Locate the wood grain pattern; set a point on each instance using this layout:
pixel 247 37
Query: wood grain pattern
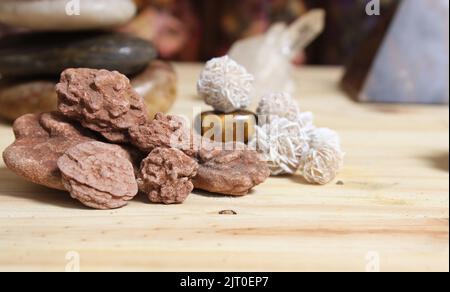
pixel 393 203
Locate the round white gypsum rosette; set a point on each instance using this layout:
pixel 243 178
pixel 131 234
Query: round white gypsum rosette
pixel 306 122
pixel 281 143
pixel 282 105
pixel 324 159
pixel 225 85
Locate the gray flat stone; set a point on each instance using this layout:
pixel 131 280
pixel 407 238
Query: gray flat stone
pixel 48 54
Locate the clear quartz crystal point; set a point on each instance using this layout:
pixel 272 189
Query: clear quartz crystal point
pixel 268 57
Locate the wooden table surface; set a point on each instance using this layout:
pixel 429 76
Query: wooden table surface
pixel 391 213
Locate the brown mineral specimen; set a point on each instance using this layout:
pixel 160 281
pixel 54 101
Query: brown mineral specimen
pixel 40 140
pixel 164 131
pixel 230 172
pixel 135 156
pixel 166 174
pixel 57 125
pixel 102 101
pixel 99 175
pixel 228 212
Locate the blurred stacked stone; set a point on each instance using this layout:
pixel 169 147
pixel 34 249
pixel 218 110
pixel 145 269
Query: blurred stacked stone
pixel 52 35
pixel 405 59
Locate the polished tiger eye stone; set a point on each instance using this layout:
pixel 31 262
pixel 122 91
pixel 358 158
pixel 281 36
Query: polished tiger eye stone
pixel 237 126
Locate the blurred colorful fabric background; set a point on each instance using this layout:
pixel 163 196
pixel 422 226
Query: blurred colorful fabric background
pixel 196 30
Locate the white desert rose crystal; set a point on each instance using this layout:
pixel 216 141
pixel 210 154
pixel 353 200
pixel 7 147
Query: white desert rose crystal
pixel 282 105
pixel 322 162
pixel 225 85
pixel 306 122
pixel 281 143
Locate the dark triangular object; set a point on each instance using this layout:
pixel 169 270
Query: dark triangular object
pixel 359 66
pixel 405 58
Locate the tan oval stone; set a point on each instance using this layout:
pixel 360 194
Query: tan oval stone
pixel 20 98
pixel 158 86
pixel 64 15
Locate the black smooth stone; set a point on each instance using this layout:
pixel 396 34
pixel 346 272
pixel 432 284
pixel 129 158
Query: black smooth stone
pixel 49 54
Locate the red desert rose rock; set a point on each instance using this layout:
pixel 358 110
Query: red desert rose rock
pixel 99 175
pixel 102 101
pixel 165 176
pixel 221 171
pixel 40 140
pixel 164 131
pixel 230 172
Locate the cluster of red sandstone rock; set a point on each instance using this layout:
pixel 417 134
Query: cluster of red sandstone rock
pixel 102 148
